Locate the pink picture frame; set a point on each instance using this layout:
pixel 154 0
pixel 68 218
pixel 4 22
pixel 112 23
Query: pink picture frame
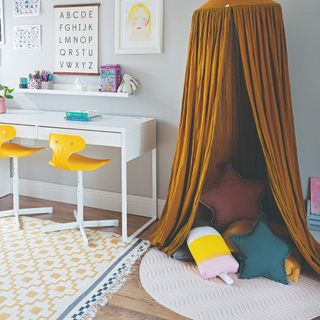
pixel 315 195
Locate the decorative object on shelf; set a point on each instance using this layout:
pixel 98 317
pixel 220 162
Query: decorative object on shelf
pixel 35 80
pixel 77 39
pixel 27 37
pixel 139 26
pixel 26 8
pixel 23 83
pixel 110 77
pixel 46 80
pixel 79 86
pixel 5 93
pixel 129 85
pixel 1 23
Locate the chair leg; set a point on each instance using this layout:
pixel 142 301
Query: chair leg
pixel 16 212
pixel 80 207
pixel 16 193
pixel 79 217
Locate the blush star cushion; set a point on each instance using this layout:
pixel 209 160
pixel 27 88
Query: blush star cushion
pixel 234 198
pixel 263 254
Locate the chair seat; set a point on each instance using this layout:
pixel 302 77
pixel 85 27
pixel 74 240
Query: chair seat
pixel 78 162
pixel 12 150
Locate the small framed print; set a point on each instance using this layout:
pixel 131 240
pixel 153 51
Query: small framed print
pixel 139 26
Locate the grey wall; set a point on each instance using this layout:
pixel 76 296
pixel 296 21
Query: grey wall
pixel 161 75
pixel 302 27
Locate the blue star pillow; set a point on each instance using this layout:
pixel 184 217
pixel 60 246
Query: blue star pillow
pixel 263 254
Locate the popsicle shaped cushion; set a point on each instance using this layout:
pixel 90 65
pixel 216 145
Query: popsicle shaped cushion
pixel 211 253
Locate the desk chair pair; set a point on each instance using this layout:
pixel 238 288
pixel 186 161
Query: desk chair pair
pixel 65 156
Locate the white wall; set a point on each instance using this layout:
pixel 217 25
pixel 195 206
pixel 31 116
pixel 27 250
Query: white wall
pixel 161 75
pixel 302 27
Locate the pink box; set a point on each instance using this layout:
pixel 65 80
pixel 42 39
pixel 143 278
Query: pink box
pixel 110 76
pixel 315 195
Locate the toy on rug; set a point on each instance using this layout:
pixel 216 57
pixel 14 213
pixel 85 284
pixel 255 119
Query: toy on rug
pixel 211 254
pixel 129 84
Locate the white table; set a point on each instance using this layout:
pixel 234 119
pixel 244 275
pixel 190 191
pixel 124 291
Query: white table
pixel 133 135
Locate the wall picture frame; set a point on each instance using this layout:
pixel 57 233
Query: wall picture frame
pixel 138 26
pixel 77 39
pixel 1 23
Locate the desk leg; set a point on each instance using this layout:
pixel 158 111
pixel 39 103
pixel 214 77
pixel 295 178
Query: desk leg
pixel 4 177
pixel 124 196
pixel 154 184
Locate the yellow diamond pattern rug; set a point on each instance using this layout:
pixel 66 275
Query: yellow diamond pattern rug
pixel 53 276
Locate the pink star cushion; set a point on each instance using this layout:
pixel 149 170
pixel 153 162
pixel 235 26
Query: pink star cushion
pixel 234 198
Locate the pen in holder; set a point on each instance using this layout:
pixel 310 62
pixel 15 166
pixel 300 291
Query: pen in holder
pixel 46 85
pixel 46 80
pixel 34 84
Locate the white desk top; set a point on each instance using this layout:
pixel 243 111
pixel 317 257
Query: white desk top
pixel 56 119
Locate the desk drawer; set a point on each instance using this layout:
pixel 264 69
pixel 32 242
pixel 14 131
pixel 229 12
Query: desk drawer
pixel 98 138
pixel 29 132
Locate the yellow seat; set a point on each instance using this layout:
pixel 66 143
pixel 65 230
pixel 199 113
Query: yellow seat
pixel 12 150
pixel 64 154
pixel 65 157
pixel 15 151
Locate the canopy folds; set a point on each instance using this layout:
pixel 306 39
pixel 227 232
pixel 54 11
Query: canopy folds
pixel 236 108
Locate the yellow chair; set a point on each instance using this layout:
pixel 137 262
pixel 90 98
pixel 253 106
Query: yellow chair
pixel 64 157
pixel 15 151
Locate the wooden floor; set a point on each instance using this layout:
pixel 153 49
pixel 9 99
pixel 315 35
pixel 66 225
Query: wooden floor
pixel 129 303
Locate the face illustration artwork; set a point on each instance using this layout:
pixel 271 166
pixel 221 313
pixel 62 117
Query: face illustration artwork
pixel 139 21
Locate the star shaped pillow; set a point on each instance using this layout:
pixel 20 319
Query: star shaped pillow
pixel 234 198
pixel 263 254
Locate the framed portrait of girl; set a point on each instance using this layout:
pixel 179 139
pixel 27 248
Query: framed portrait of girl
pixel 139 26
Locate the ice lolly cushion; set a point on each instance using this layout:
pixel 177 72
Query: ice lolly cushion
pixel 211 253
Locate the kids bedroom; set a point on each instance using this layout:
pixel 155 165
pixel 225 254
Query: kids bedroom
pixel 159 160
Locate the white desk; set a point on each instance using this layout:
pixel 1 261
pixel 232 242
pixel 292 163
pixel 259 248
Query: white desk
pixel 134 136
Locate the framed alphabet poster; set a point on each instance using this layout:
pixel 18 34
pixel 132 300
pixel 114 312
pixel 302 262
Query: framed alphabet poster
pixel 77 39
pixel 139 26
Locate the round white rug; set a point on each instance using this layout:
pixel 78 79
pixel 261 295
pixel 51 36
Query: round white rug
pixel 179 287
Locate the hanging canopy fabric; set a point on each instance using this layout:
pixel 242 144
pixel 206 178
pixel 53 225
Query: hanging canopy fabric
pixel 236 108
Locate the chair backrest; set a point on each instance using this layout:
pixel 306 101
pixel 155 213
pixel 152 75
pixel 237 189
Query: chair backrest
pixel 63 146
pixel 7 133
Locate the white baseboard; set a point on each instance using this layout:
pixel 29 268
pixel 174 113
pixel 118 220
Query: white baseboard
pixel 141 206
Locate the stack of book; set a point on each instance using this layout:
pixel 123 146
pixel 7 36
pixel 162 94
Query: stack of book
pixel 83 115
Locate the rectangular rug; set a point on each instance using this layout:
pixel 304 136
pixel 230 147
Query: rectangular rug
pixel 53 276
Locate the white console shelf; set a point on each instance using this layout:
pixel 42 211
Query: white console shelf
pixel 68 90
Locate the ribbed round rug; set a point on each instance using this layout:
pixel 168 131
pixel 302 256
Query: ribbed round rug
pixel 179 287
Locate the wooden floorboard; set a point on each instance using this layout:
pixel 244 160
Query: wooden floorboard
pixel 131 302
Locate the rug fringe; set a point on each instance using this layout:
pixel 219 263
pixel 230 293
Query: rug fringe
pixel 121 278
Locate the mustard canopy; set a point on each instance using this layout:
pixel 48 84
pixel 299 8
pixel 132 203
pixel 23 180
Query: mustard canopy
pixel 236 108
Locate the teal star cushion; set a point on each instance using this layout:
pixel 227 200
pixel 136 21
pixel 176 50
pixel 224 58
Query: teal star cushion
pixel 263 254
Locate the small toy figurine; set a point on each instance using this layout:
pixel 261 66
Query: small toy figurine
pixel 79 86
pixel 129 84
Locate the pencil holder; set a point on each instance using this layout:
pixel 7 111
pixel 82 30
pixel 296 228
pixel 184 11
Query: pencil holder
pixel 46 85
pixel 34 84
